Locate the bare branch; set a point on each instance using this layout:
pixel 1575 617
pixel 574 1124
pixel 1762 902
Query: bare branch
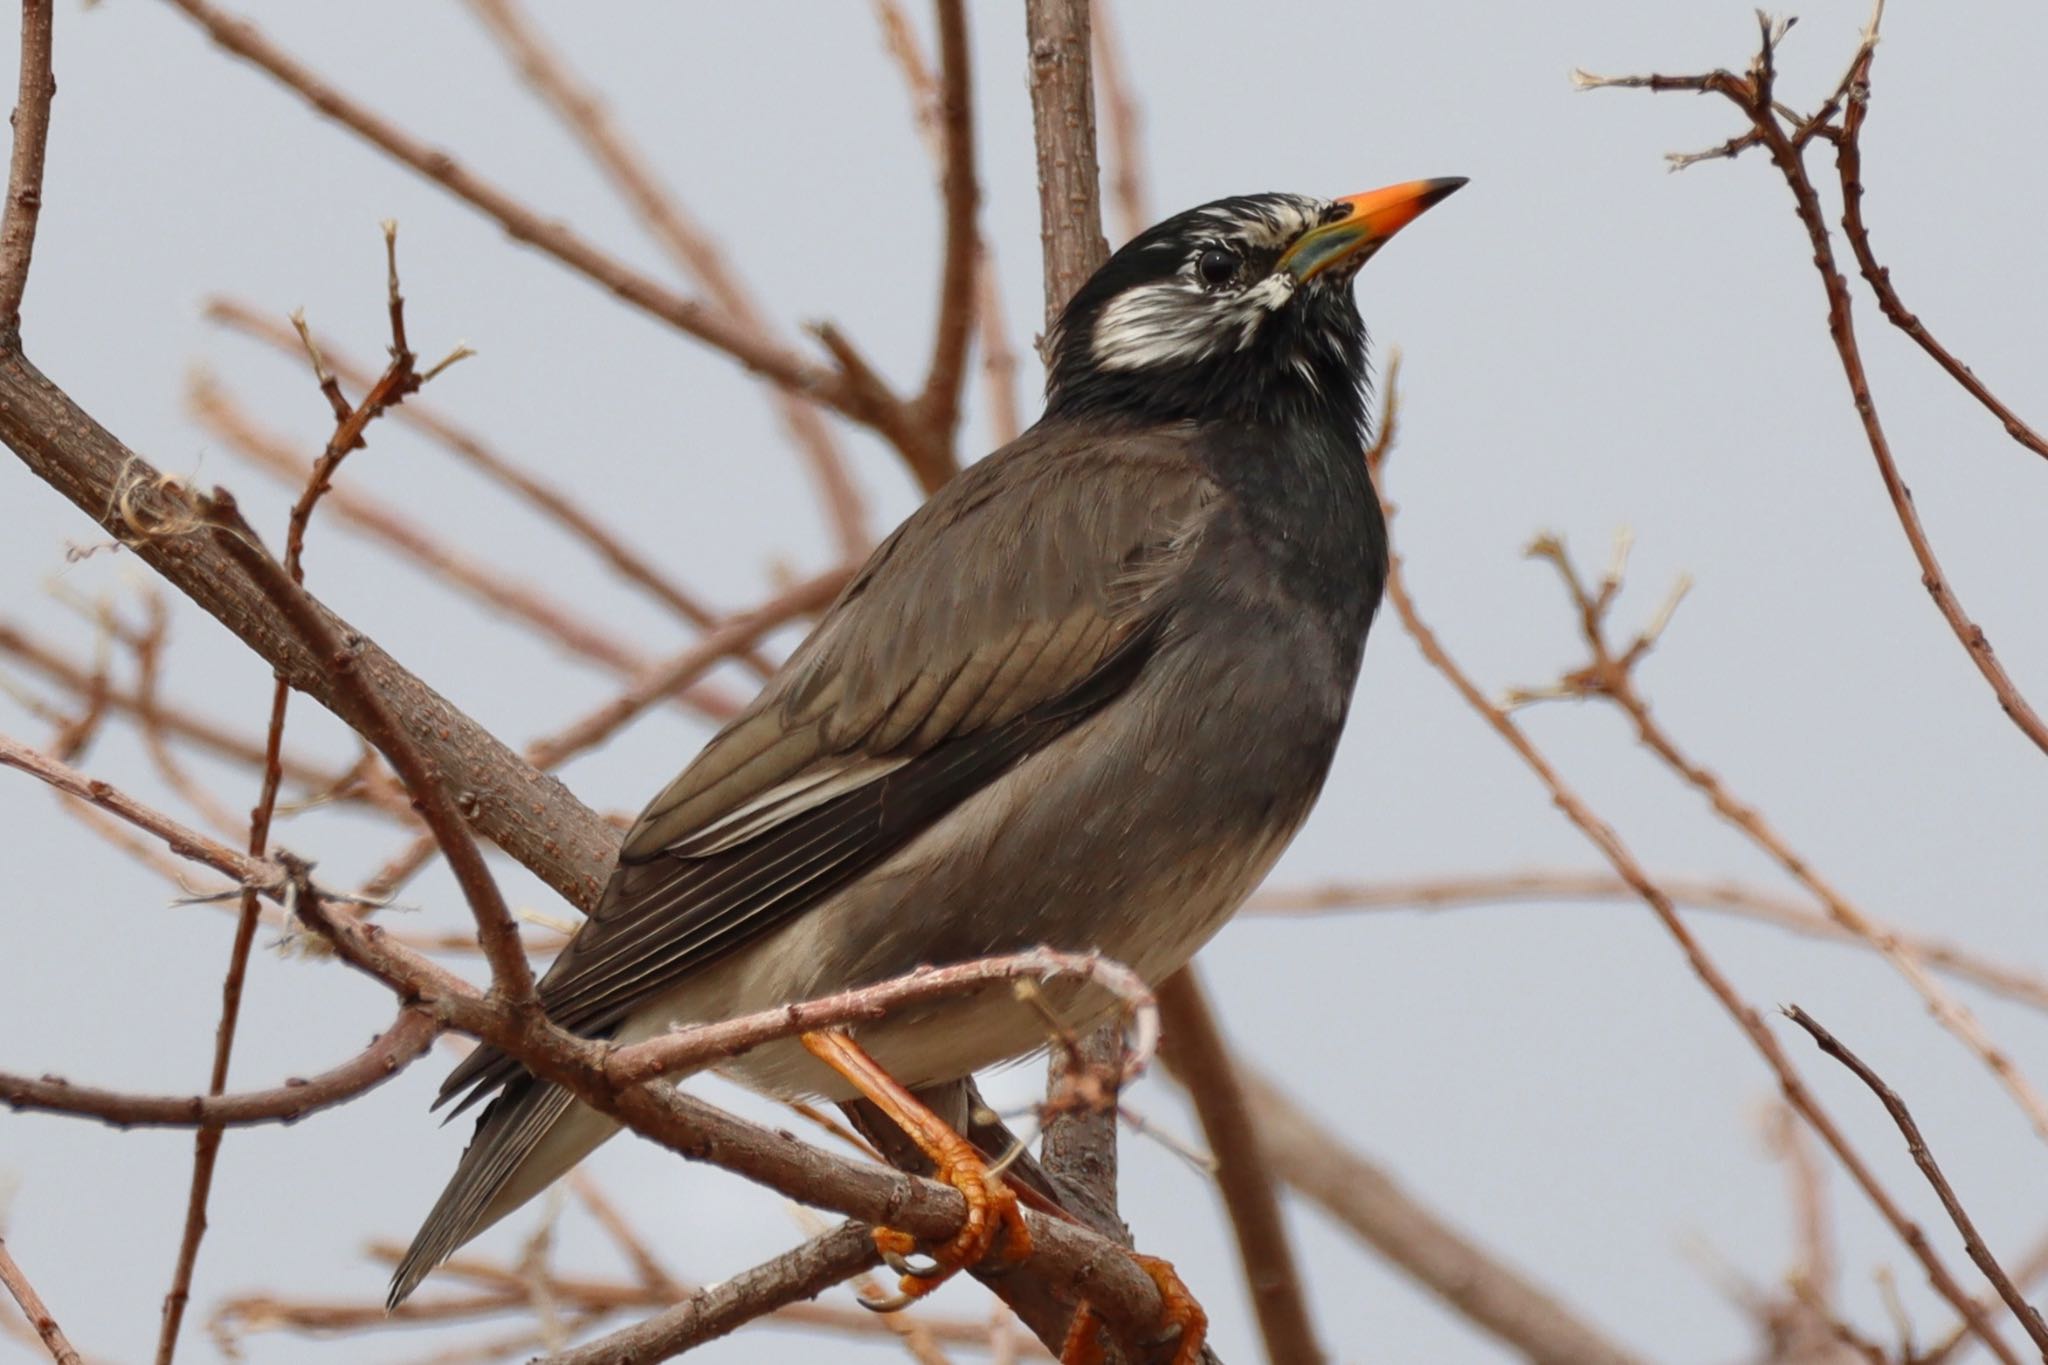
pixel 1063 125
pixel 368 714
pixel 1604 838
pixel 809 1270
pixel 39 1317
pixel 1611 674
pixel 1200 1059
pixel 476 452
pixel 939 404
pixel 687 243
pixel 1694 893
pixel 2028 1316
pixel 1487 1291
pixel 1849 168
pixel 38 87
pixel 390 1052
pixel 1079 1147
pixel 267 876
pixel 687 1049
pixel 760 355
pixel 1752 94
pixel 1125 122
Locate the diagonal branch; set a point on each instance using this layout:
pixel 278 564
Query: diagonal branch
pixel 1488 1292
pixel 1197 1054
pixel 1624 862
pixel 2029 1317
pixel 1754 95
pixel 710 1313
pixel 1849 169
pixel 367 713
pixel 761 355
pixel 686 241
pixel 474 451
pixel 32 1306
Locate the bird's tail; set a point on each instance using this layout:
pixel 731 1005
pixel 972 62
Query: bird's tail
pixel 528 1137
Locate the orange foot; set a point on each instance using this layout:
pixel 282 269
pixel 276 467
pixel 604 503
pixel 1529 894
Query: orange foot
pixel 992 1213
pixel 1178 1314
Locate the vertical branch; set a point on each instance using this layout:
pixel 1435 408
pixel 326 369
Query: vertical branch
pixel 399 379
pixel 1063 125
pixel 1194 1049
pixel 25 167
pixel 1080 1146
pixel 60 1348
pixel 939 404
pixel 1126 131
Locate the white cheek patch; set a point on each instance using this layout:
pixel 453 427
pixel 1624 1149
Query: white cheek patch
pixel 1176 321
pixel 1156 324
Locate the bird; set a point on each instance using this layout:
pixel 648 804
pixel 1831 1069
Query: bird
pixel 1082 698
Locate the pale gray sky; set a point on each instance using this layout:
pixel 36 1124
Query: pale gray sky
pixel 1589 343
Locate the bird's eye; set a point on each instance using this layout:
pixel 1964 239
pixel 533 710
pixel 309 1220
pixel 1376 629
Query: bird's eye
pixel 1216 267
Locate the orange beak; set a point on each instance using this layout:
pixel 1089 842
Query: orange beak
pixel 1374 217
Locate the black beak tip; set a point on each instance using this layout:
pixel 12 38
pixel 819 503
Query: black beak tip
pixel 1443 187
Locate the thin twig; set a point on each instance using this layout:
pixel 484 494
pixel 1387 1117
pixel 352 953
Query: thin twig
pixel 1125 123
pixel 1753 95
pixel 390 1052
pixel 32 1306
pixel 369 715
pixel 266 875
pixel 549 500
pixel 1694 893
pixel 938 405
pixel 37 88
pixel 1610 674
pixel 688 244
pixel 399 379
pixel 2028 1316
pixel 1849 168
pixel 711 1313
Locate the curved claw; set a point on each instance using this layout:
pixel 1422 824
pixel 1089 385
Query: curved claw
pixel 1181 1320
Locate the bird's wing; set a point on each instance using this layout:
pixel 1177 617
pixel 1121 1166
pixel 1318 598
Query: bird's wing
pixel 1022 598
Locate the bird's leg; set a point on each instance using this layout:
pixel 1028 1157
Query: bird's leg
pixel 992 1213
pixel 1179 1312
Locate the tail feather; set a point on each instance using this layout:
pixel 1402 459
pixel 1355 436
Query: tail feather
pixel 531 1134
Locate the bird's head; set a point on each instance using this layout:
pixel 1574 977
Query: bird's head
pixel 1237 310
